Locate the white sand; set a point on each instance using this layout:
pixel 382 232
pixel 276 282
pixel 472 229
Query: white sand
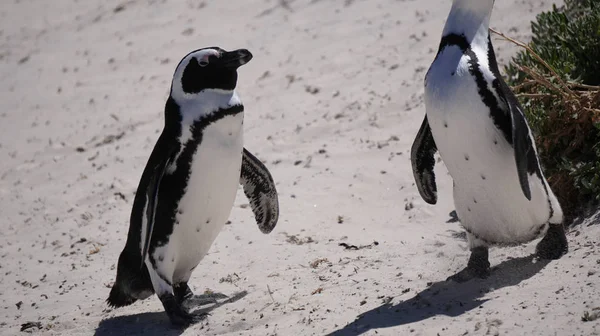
pixel 333 101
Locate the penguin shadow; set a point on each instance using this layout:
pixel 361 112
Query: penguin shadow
pixel 152 323
pixel 444 298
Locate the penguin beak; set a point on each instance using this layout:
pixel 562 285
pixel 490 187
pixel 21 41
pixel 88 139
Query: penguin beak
pixel 235 59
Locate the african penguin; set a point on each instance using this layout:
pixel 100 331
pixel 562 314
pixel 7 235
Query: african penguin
pixel 189 184
pixel 478 126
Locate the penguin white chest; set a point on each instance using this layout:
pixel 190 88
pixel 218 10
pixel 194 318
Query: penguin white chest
pixel 487 193
pixel 209 195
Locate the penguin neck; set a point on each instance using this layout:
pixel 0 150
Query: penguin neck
pixel 209 101
pixel 470 18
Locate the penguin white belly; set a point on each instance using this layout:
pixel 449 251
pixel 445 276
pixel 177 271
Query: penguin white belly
pixel 487 194
pixel 208 198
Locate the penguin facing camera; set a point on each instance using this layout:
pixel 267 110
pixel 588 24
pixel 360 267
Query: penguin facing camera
pixel 479 128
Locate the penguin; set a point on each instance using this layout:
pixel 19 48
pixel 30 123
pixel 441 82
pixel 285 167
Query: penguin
pixel 479 129
pixel 189 184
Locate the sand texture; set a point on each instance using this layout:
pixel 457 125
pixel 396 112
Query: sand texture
pixel 333 101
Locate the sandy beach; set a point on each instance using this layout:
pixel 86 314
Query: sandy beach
pixel 333 100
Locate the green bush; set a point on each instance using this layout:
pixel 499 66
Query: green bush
pixel 564 112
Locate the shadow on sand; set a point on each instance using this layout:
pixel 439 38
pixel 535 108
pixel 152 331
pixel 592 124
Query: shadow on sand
pixel 151 324
pixel 444 298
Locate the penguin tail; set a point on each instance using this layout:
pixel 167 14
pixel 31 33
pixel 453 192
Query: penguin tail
pixel 132 283
pixel 119 298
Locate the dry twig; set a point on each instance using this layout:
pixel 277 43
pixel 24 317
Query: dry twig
pixel 528 48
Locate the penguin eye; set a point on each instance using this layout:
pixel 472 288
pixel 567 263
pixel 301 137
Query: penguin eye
pixel 203 63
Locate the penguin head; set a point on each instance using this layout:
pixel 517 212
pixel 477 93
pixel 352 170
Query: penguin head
pixel 207 69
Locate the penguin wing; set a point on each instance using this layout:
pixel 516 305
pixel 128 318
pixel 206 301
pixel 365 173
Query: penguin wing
pixel 260 189
pixel 522 147
pixel 522 141
pixel 421 157
pixel 157 173
pixel 525 155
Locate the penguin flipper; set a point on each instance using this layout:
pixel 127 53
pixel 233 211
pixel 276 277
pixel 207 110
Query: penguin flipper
pixel 522 146
pixel 421 157
pixel 261 192
pixel 522 142
pixel 156 176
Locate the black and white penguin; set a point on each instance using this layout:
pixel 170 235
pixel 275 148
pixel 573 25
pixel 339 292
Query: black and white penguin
pixel 478 126
pixel 188 187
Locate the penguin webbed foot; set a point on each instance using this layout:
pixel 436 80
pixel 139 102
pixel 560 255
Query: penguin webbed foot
pixel 478 266
pixel 178 314
pixel 203 299
pixel 188 300
pixel 554 244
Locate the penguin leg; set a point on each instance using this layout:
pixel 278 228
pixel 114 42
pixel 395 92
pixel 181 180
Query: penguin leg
pixel 187 299
pixel 478 265
pixel 177 313
pixel 554 244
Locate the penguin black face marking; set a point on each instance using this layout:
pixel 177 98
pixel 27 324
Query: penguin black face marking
pixel 209 68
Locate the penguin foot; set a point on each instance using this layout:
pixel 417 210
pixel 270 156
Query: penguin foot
pixel 203 299
pixel 554 244
pixel 178 315
pixel 186 297
pixel 478 266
